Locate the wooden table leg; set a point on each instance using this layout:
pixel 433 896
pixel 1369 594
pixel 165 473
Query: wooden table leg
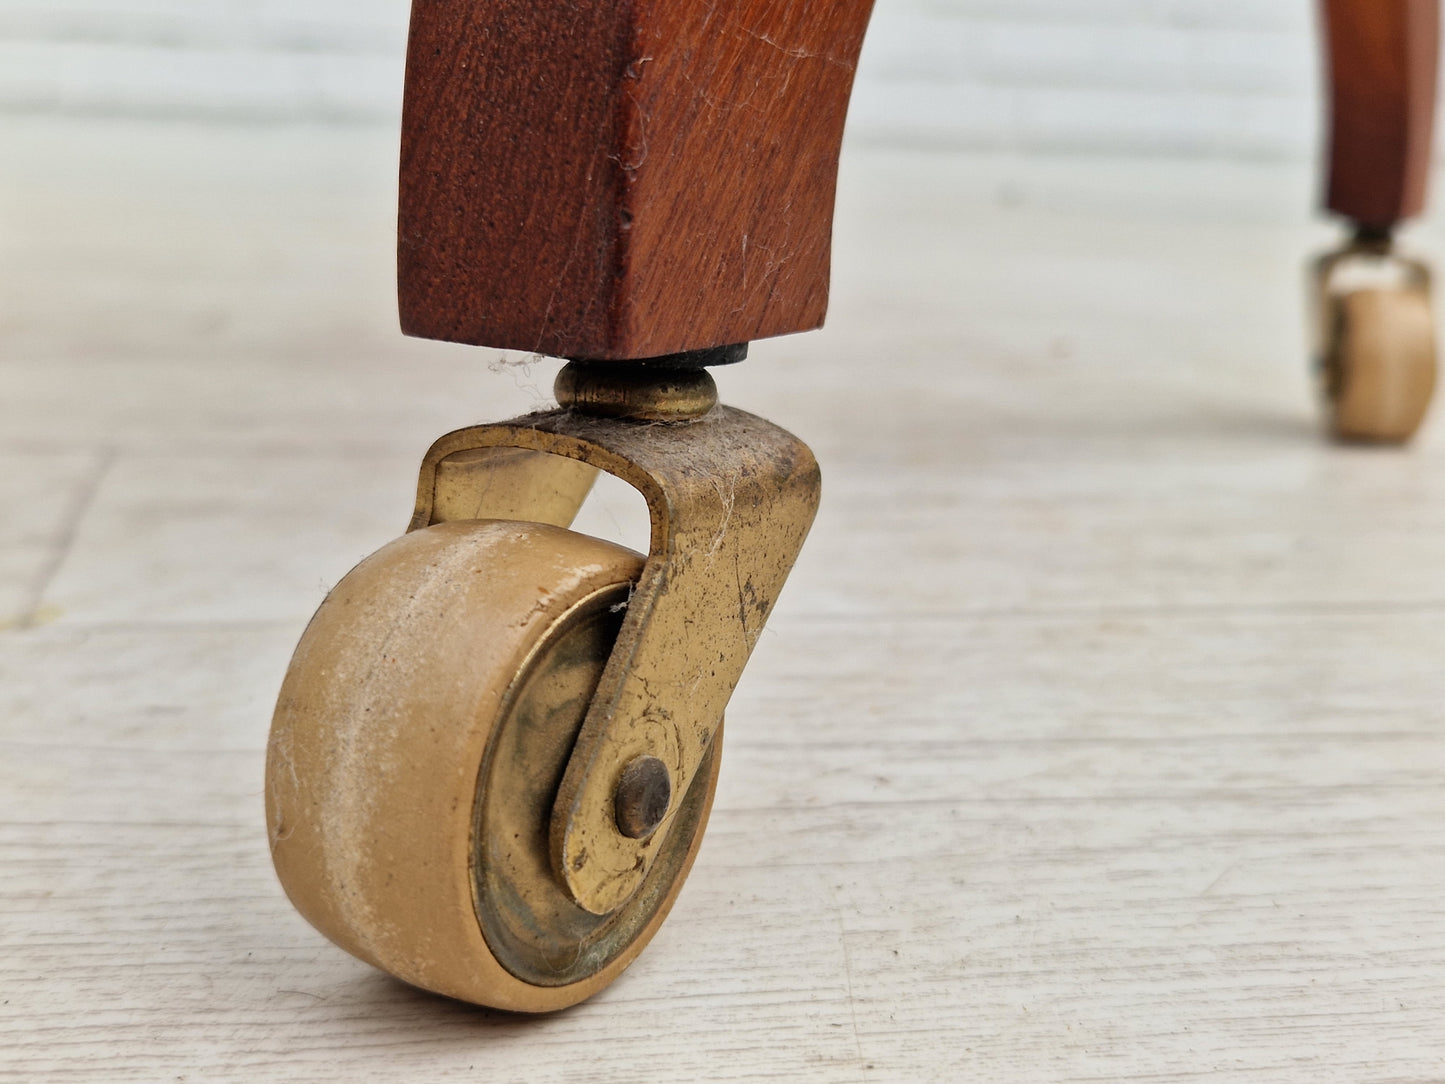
pixel 1382 59
pixel 1377 329
pixel 616 181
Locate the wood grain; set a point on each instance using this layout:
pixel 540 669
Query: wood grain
pixel 621 181
pixel 1382 62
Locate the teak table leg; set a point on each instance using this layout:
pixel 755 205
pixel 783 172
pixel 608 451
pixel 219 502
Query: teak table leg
pixel 621 180
pixel 495 750
pixel 1376 325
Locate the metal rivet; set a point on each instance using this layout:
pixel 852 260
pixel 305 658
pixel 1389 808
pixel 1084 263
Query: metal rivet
pixel 643 794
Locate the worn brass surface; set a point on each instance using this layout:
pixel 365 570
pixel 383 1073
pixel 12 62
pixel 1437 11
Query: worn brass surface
pixel 610 390
pixel 532 925
pixel 1375 340
pixel 509 483
pixel 731 499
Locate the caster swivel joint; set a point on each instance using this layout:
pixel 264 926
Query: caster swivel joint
pixel 495 749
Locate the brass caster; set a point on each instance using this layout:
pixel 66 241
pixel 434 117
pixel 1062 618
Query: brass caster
pixel 1377 347
pixel 496 747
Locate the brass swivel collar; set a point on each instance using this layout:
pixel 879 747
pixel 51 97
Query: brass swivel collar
pixel 671 388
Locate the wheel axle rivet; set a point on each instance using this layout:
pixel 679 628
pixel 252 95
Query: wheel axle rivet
pixel 643 794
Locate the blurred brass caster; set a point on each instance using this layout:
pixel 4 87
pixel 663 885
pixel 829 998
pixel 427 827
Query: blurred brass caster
pixel 495 750
pixel 1376 340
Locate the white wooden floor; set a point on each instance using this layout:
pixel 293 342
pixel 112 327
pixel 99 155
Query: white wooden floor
pixel 1100 736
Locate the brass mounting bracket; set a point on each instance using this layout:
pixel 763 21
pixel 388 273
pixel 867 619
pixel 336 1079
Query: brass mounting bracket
pixel 731 498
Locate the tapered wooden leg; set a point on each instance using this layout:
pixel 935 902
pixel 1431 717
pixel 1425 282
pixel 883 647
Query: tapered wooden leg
pixel 1382 59
pixel 621 181
pixel 1377 330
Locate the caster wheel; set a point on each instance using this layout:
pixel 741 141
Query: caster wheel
pixel 418 744
pixel 1380 364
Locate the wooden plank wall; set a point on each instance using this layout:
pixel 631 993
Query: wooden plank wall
pixel 1230 78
